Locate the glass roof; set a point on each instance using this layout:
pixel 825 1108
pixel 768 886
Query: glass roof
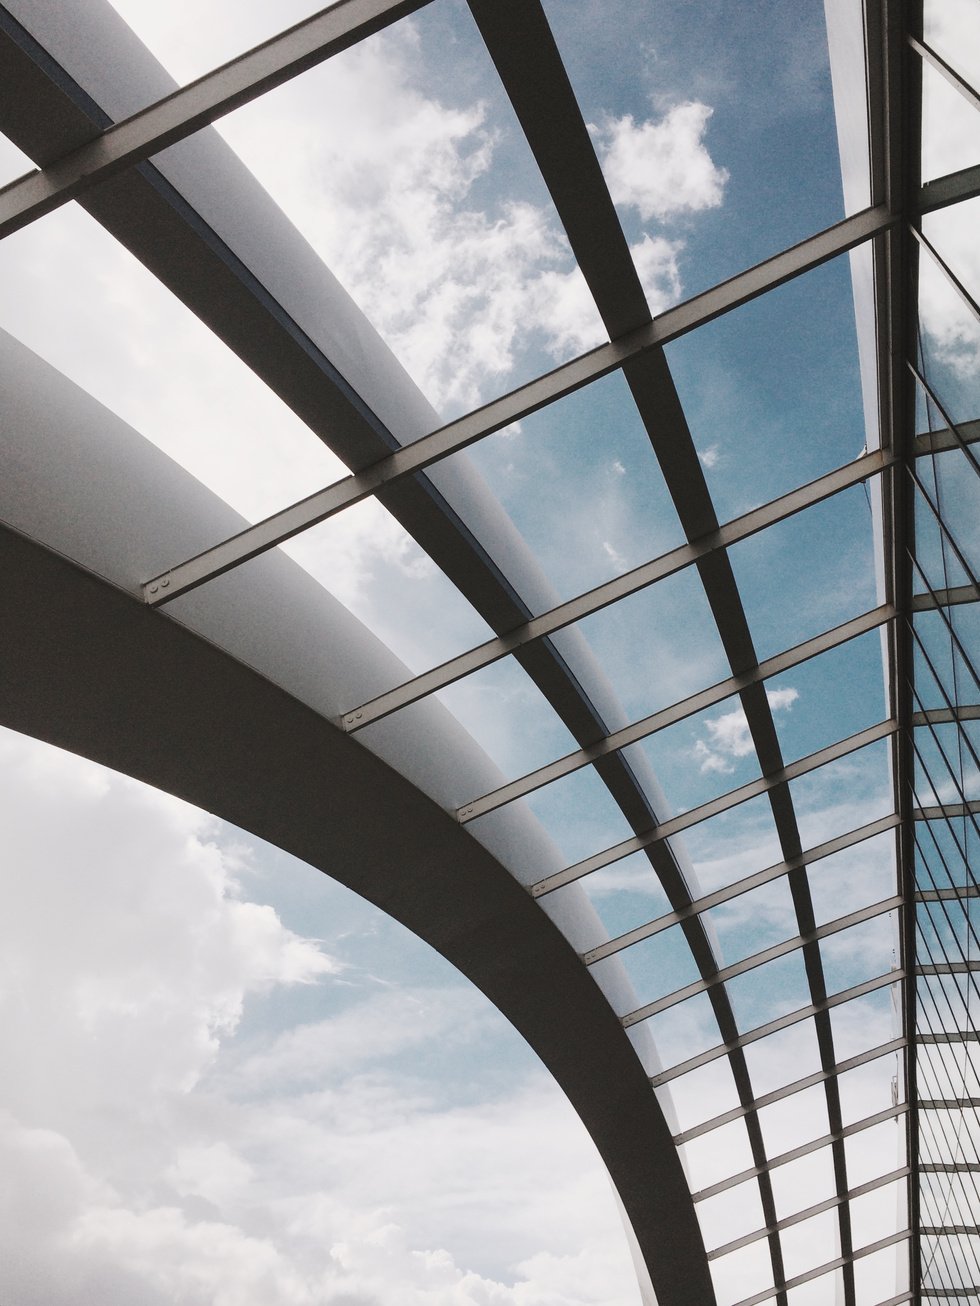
pixel 457 306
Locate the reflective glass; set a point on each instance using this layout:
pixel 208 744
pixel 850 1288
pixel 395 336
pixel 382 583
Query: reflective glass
pixel 875 1151
pixel 867 1089
pixel 579 813
pixel 795 1120
pixel 732 845
pixel 659 965
pixel 880 1276
pixel 626 894
pixel 859 953
pixel 703 1094
pixel 771 390
pixel 742 1273
pixel 730 1215
pixel 704 756
pixel 718 1155
pixel 800 1184
pixel 949 344
pixel 949 127
pixel 685 1031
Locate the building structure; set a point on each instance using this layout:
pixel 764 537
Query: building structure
pixel 150 627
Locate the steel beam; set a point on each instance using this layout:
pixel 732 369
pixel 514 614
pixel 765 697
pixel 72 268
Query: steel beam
pixel 669 716
pixel 194 106
pixel 713 808
pixel 797 1282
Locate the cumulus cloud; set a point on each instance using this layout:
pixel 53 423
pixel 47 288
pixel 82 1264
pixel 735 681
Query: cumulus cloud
pixel 729 736
pixel 661 168
pixel 153 1148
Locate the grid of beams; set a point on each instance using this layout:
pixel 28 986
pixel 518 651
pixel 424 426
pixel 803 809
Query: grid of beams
pixel 935 816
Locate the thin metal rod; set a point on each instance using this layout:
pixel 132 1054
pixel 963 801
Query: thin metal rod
pixel 735 890
pixel 194 106
pixel 714 807
pixel 669 716
pixel 941 66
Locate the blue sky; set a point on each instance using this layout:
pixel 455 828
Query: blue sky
pixel 413 1134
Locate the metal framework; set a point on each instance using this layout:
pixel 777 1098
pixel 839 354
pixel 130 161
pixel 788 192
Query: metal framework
pixel 455 852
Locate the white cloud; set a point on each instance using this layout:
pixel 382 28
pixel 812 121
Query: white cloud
pixel 661 168
pixel 729 736
pixel 151 1151
pixel 709 457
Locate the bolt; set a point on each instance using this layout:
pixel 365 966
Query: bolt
pixel 165 583
pixel 153 589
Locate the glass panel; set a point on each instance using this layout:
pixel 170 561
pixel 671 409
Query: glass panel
pixel 581 482
pixel 811 1243
pixel 807 574
pixel 702 1095
pixel 782 1058
pixel 659 965
pixel 803 1183
pixel 409 175
pixel 580 815
pixel 753 921
pixel 842 795
pixel 659 646
pixel 730 1215
pixel 949 341
pixel 850 879
pixel 949 231
pixel 952 29
pixel 881 1276
pixel 865 1022
pixel 719 148
pixel 704 756
pixel 949 127
pixel 818 1292
pixel 875 1151
pixel 87 306
pixel 742 1273
pixel 769 991
pixel 626 894
pixel 718 1155
pixel 771 390
pixel 795 1120
pixel 500 706
pixel 190 39
pixel 829 697
pixel 685 1031
pixel 868 1089
pixel 732 845
pixel 860 953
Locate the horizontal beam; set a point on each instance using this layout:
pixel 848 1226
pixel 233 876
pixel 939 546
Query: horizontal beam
pixel 805 1149
pixel 894 1045
pixel 416 457
pixel 611 591
pixel 951 189
pixel 196 105
pixel 947 811
pixel 750 882
pixel 830 1204
pixel 931 442
pixel 945 895
pixel 947 968
pixel 797 1282
pixel 772 1026
pixel 950 1167
pixel 949 1036
pixel 519 403
pixel 704 812
pixel 945 598
pixel 772 953
pixel 937 716
pixel 669 716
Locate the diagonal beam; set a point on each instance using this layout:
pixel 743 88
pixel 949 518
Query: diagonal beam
pixel 194 106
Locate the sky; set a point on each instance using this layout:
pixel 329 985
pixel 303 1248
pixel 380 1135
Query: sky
pixel 243 1083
